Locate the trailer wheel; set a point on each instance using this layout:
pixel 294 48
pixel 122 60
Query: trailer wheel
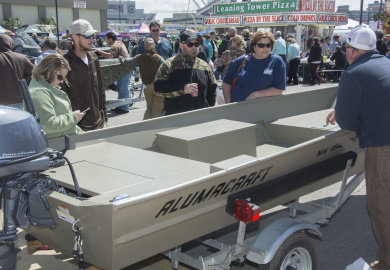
pixel 296 253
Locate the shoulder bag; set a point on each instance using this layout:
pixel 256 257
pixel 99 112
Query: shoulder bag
pixel 239 68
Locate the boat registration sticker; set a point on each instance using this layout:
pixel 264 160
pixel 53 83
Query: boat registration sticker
pixel 66 217
pixel 63 208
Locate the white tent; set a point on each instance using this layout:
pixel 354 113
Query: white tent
pixel 343 30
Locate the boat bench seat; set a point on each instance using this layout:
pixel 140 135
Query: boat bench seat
pixel 140 170
pixel 300 128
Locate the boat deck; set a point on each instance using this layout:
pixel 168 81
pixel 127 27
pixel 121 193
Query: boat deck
pixel 182 157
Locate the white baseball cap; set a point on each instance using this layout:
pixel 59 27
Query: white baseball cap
pixel 278 33
pixel 362 38
pixel 82 27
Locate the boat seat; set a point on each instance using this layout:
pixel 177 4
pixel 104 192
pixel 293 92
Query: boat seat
pixel 140 170
pixel 210 142
pixel 300 128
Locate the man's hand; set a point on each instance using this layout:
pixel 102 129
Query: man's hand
pixel 191 88
pixel 331 118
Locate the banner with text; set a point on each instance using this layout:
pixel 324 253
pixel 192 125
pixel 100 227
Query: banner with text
pixel 332 18
pixel 256 7
pixel 302 18
pixel 272 19
pixel 79 4
pixel 215 21
pixel 318 5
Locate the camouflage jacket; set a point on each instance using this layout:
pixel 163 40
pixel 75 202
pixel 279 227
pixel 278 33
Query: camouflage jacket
pixel 175 73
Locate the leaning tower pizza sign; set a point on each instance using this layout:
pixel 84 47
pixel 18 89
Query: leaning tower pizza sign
pixel 276 12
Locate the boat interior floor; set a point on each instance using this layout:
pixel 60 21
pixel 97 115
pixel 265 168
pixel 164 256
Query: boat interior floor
pixel 186 153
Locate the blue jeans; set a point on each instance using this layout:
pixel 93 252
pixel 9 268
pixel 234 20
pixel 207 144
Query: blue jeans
pixel 217 74
pixel 122 86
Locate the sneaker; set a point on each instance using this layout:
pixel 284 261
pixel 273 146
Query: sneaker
pixel 119 111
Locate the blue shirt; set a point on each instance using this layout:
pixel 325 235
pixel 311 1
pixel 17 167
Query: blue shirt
pixel 163 48
pixel 256 74
pixel 363 99
pixel 279 46
pixel 293 52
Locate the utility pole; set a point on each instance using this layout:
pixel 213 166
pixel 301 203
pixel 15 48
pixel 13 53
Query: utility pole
pixel 58 37
pixel 361 12
pixel 119 12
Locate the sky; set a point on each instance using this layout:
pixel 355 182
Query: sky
pixel 165 8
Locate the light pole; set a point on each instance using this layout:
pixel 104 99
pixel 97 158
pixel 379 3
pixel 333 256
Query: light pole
pixel 119 12
pixel 58 37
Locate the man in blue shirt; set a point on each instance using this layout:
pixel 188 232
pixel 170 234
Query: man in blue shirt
pixel 363 106
pixel 280 46
pixel 163 46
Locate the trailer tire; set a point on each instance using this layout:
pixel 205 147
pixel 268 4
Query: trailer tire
pixel 296 252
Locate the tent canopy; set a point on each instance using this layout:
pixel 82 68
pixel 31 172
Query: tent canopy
pixel 103 34
pixel 141 29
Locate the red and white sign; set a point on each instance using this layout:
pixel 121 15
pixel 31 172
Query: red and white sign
pixel 303 18
pixel 236 20
pixel 318 5
pixel 264 19
pixel 79 4
pixel 332 18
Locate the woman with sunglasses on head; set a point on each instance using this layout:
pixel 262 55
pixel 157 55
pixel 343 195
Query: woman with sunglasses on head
pixel 52 104
pixel 260 74
pixel 237 49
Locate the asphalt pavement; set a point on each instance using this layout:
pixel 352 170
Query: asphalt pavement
pixel 345 239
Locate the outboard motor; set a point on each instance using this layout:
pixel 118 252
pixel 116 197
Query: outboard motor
pixel 23 156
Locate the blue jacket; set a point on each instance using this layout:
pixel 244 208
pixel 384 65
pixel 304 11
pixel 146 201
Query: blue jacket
pixel 363 99
pixel 163 48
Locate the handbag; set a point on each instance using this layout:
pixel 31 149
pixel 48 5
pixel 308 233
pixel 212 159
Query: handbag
pixel 239 68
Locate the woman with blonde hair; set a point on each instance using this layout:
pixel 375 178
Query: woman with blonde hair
pixel 51 103
pixel 237 49
pixel 260 74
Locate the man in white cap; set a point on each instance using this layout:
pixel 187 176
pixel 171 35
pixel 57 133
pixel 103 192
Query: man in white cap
pixel 280 46
pixel 85 89
pixel 363 106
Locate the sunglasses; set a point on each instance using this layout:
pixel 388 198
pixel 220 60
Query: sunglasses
pixel 190 44
pixel 60 77
pixel 262 45
pixel 156 30
pixel 87 37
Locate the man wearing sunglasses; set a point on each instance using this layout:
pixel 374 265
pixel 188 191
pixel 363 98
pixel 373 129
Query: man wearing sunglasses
pixel 186 81
pixel 163 46
pixel 363 106
pixel 85 87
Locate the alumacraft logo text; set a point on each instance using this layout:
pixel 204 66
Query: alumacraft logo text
pixel 217 190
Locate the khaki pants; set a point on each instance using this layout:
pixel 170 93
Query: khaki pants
pixel 377 166
pixel 154 103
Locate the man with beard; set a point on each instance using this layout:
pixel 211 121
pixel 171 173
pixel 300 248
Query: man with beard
pixel 163 46
pixel 185 81
pixel 85 89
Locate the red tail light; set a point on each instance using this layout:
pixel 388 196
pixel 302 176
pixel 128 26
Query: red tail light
pixel 246 211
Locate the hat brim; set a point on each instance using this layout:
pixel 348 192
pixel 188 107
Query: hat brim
pixel 190 38
pixel 91 32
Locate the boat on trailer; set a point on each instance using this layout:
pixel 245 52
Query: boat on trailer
pixel 153 185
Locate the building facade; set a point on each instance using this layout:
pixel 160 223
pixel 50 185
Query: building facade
pixel 126 14
pixel 30 11
pixel 367 15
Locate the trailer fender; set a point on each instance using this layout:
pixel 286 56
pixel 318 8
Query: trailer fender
pixel 272 237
